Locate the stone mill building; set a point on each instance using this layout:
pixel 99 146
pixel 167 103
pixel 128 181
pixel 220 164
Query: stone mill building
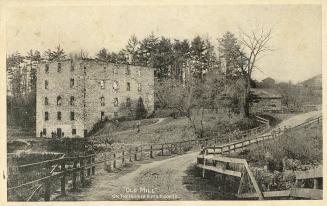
pixel 73 95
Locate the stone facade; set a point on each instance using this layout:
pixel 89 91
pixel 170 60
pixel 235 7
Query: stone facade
pixel 86 92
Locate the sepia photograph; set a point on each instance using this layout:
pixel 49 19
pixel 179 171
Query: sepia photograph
pixel 162 101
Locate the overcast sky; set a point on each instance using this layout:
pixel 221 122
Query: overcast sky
pixel 296 30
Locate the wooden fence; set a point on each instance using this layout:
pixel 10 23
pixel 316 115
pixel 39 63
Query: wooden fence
pixel 207 160
pixel 232 167
pixel 301 188
pixel 245 142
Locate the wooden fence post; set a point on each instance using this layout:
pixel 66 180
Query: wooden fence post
pixel 114 161
pixel 315 183
pixel 74 175
pixel 123 158
pixel 130 154
pixel 47 190
pixel 82 174
pixel 63 178
pixel 88 171
pixel 151 152
pixel 135 155
pixel 162 151
pixel 141 151
pixel 47 184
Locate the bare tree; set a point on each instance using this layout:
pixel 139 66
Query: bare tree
pixel 253 45
pixel 242 56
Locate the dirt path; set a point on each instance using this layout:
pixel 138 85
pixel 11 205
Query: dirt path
pixel 167 179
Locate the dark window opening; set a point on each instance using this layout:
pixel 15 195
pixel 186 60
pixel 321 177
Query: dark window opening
pixel 46 101
pixel 102 101
pixel 102 116
pixel 46 68
pixel 72 116
pixel 46 116
pixel 72 83
pixel 46 84
pixel 59 100
pixel 72 100
pixel 44 131
pixel 59 115
pixel 59 67
pixel 73 131
pixel 128 86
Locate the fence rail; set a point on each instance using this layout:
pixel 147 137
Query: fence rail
pixel 208 154
pixel 243 143
pixel 82 167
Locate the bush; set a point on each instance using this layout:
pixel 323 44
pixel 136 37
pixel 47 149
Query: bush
pixel 140 112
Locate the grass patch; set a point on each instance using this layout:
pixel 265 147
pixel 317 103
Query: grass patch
pixel 303 146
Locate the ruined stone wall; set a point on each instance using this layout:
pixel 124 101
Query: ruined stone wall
pixel 59 85
pixel 92 80
pixel 110 81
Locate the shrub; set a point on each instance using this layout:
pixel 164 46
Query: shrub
pixel 140 112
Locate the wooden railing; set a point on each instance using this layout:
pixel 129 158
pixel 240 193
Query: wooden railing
pixel 299 190
pixel 245 142
pixel 84 166
pixel 232 167
pixel 207 160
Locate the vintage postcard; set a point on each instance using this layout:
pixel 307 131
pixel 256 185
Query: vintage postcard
pixel 126 102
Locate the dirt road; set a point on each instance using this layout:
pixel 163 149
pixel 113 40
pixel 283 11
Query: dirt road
pixel 167 179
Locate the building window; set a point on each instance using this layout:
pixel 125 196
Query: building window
pixel 139 88
pixel 116 102
pixel 47 68
pixel 115 86
pixel 115 114
pixel 59 100
pixel 72 116
pixel 46 116
pixel 102 84
pixel 46 84
pixel 73 131
pixel 44 131
pixel 72 100
pixel 102 116
pixel 59 67
pixel 128 102
pixel 128 86
pixel 128 70
pixel 59 115
pixel 46 101
pixel 72 83
pixel 102 101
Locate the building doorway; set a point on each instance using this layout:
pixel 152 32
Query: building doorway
pixel 59 132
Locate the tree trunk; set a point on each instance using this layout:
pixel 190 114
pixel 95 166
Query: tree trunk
pixel 245 102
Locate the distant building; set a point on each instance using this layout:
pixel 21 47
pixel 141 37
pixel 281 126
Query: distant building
pixel 266 100
pixel 314 83
pixel 73 95
pixel 268 82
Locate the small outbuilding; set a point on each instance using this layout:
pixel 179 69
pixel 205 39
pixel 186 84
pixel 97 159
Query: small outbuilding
pixel 266 100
